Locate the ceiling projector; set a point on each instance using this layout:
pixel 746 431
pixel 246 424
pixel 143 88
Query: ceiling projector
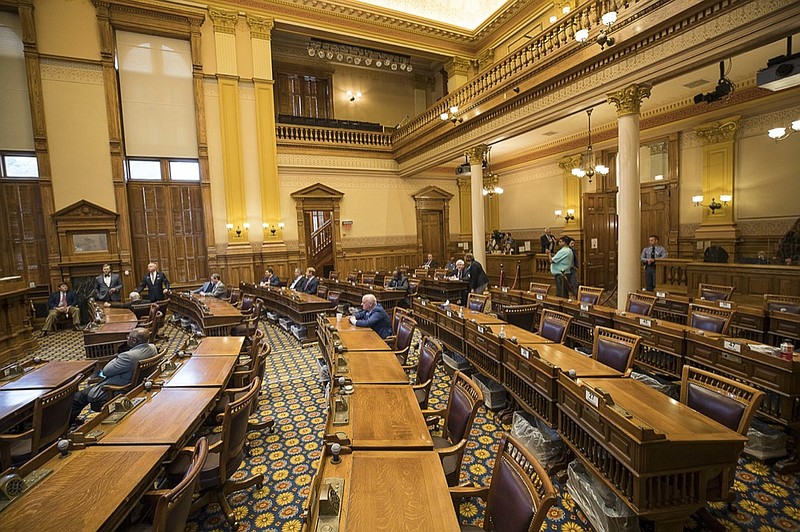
pixel 781 73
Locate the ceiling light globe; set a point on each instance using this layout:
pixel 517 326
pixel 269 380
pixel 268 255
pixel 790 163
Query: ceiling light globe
pixel 553 19
pixel 378 63
pixel 444 116
pixel 312 52
pixel 565 10
pixel 329 54
pixel 796 125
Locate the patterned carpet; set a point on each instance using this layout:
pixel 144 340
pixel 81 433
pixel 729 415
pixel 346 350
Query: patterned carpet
pixel 288 458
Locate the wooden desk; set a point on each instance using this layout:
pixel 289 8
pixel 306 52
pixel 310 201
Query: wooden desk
pixel 381 417
pixel 655 453
pixel 106 339
pixel 90 489
pixel 17 405
pixel 215 317
pixel 585 318
pixel 344 324
pixel 202 372
pixel 388 490
pixel 352 293
pixel 451 326
pixel 50 375
pixel 166 417
pixel 361 341
pixel 300 307
pixel 484 347
pixel 531 371
pixel 370 367
pixel 442 289
pixel 219 346
pixel 782 326
pixel 425 315
pixel 663 342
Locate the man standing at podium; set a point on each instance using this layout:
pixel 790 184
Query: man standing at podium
pixel 649 255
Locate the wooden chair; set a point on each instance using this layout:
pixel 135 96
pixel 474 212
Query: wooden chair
pixel 352 277
pixel 729 402
pixel 476 302
pixel 554 325
pixel 714 292
pixel 413 288
pixel 236 294
pixel 398 313
pixel 402 340
pixel 367 278
pixel 712 319
pixel 155 327
pixel 144 368
pixel 322 291
pixel 462 406
pixel 333 297
pixel 590 294
pixel 781 303
pixel 539 288
pixel 387 279
pixel 226 453
pixel 615 349
pixel 172 506
pixel 333 275
pixel 421 272
pixel 520 315
pixel 639 303
pixel 519 495
pixel 430 355
pixel 51 414
pixel 152 317
pixel 239 385
pixel 249 325
pixel 440 273
pixel 246 304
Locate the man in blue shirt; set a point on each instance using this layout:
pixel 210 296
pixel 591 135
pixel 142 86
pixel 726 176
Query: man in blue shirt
pixel 649 255
pixel 373 316
pixel 560 264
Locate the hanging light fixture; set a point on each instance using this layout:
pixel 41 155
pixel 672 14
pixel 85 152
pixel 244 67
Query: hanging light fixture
pixel 587 167
pixel 491 181
pixel 452 116
pixel 356 55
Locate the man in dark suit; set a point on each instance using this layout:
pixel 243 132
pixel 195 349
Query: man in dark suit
pixel 548 241
pixel 373 316
pixel 312 282
pixel 478 280
pixel 299 281
pixel 430 262
pixel 212 288
pixel 63 302
pixel 270 279
pixel 107 286
pixel 119 371
pixel 155 282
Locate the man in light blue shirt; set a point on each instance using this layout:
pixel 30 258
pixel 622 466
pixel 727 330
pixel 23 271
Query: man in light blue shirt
pixel 649 255
pixel 560 264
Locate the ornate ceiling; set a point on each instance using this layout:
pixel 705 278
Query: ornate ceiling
pixel 466 14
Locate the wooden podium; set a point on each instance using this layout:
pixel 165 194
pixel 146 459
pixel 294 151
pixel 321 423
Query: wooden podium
pixel 16 333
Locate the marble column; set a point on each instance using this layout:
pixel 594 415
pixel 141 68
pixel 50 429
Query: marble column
pixel 476 156
pixel 629 207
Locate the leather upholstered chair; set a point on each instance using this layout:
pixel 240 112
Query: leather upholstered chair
pixel 322 291
pixel 368 278
pixel 152 316
pixel 711 319
pixel 714 292
pixel 554 325
pixel 246 304
pixel 640 303
pixel 249 325
pixel 519 495
pixel 333 297
pixel 615 349
pixel 430 355
pixel 462 406
pixel 352 277
pixel 398 313
pixel 781 303
pixel 226 453
pixel 440 273
pixel 476 302
pixel 51 413
pixel 539 288
pixel 333 275
pixel 730 403
pixel 422 272
pixel 520 315
pixel 144 368
pixel 401 342
pixel 239 385
pixel 590 294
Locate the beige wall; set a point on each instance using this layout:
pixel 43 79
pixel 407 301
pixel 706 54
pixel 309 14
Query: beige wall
pixel 67 28
pixel 387 97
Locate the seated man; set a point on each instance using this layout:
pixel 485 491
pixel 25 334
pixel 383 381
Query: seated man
pixel 64 302
pixel 212 288
pixel 311 283
pixel 140 307
pixel 400 282
pixel 373 316
pixel 270 279
pixel 119 371
pixel 299 281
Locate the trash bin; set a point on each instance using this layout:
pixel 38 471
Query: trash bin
pixel 604 509
pixel 494 395
pixel 454 362
pixel 667 388
pixel 765 441
pixel 544 442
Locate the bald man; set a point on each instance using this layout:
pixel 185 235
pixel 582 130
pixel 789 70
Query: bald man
pixel 373 316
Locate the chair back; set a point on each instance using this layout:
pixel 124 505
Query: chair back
pixel 398 313
pixel 554 325
pixel 640 303
pixel 247 302
pixel 255 343
pixel 386 281
pixel 333 275
pixel 430 355
pixel 235 295
pixel 590 294
pixel 714 292
pixel 477 302
pixel 520 493
pixel 615 349
pixel 51 413
pixel 144 368
pixel 520 315
pixel 421 272
pixel 152 315
pixel 413 287
pixel 322 291
pixel 173 508
pixel 539 288
pixel 368 278
pixel 234 431
pixel 465 400
pixel 333 297
pixel 712 319
pixel 352 277
pixel 724 400
pixel 154 327
pixel 405 335
pixel 440 273
pixel 781 303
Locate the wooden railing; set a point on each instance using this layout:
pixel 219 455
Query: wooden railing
pixel 671 275
pixel 321 239
pixel 324 136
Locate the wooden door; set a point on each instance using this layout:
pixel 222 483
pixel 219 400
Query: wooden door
pixel 657 211
pixel 600 241
pixel 432 226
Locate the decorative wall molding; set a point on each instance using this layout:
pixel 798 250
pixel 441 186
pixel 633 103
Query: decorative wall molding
pixel 71 71
pixel 351 244
pixel 317 161
pixel 363 182
pixel 765 226
pixel 759 125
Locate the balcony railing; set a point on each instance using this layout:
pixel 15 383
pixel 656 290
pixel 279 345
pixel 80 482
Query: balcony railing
pixel 329 137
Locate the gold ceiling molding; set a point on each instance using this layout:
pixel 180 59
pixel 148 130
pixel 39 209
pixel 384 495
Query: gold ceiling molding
pixel 721 131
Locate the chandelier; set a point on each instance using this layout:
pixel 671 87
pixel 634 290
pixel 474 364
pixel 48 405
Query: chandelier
pixel 587 167
pixel 491 181
pixel 358 56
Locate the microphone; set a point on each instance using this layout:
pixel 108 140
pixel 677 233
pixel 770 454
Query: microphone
pixel 572 374
pixel 63 447
pixel 335 450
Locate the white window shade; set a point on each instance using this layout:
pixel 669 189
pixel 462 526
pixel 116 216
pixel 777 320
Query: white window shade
pixel 157 93
pixel 16 130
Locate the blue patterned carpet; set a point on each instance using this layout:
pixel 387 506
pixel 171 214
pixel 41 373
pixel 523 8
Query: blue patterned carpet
pixel 288 458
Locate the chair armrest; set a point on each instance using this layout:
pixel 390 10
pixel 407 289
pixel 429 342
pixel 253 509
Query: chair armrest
pixel 464 492
pixel 408 367
pixel 432 417
pixel 421 386
pixel 117 387
pixel 233 391
pixel 150 498
pixel 391 340
pixel 10 438
pixel 452 450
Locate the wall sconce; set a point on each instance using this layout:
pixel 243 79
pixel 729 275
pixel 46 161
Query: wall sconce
pixel 714 205
pixel 603 39
pixel 353 96
pixel 274 228
pixel 452 115
pixel 245 227
pixel 569 216
pixel 780 133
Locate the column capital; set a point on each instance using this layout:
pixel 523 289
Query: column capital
pixel 260 27
pixel 456 66
pixel 715 132
pixel 485 58
pixel 629 100
pixel 568 162
pixel 477 154
pixel 463 182
pixel 224 21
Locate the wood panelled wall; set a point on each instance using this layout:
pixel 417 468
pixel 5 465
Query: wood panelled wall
pixel 167 227
pixel 25 249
